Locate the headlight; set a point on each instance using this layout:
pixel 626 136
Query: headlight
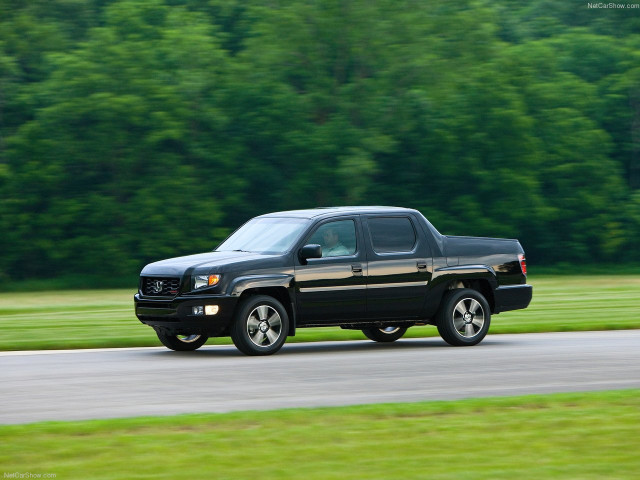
pixel 200 281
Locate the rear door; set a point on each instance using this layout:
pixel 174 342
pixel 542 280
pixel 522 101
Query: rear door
pixel 399 266
pixel 333 288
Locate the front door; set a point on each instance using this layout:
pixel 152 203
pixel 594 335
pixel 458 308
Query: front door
pixel 333 288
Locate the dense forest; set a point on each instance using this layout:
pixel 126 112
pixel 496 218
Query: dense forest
pixel 135 130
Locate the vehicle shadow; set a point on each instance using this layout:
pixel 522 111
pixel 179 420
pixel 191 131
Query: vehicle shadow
pixel 366 345
pixel 313 347
pixel 328 347
pixel 360 345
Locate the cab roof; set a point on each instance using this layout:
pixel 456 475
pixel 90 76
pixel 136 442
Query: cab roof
pixel 331 211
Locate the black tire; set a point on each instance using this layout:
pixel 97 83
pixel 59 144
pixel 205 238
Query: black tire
pixel 384 334
pixel 181 343
pixel 464 317
pixel 261 326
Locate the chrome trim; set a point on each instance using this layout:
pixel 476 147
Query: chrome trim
pixel 468 319
pixel 396 285
pixel 360 287
pixel 264 326
pixel 333 288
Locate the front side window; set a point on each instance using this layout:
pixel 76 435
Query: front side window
pixel 336 238
pixel 392 234
pixel 265 235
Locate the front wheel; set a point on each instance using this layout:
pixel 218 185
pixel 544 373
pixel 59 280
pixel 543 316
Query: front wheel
pixel 464 317
pixel 181 343
pixel 261 326
pixel 384 334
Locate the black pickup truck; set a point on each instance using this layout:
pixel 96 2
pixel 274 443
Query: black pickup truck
pixel 376 269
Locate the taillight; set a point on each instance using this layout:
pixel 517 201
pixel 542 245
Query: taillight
pixel 523 263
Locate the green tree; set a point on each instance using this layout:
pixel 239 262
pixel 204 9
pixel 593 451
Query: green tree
pixel 132 130
pixel 110 172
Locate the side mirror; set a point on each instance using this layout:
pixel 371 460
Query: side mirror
pixel 312 250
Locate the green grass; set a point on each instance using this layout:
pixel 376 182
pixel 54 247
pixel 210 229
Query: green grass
pixel 585 436
pixel 90 318
pixel 564 304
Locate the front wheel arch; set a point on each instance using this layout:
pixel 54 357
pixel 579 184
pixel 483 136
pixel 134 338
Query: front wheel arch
pixel 279 293
pixel 260 325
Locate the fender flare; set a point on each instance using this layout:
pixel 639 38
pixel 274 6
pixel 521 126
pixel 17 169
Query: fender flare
pixel 240 284
pixel 247 282
pixel 468 272
pixel 443 276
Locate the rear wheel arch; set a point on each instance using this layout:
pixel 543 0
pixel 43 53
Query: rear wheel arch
pixel 385 334
pixel 464 317
pixel 481 285
pixel 484 287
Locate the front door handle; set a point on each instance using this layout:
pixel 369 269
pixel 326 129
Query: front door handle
pixel 356 269
pixel 422 265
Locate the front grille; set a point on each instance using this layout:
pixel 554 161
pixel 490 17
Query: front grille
pixel 160 286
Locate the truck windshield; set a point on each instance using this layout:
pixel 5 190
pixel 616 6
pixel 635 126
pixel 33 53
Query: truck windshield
pixel 265 235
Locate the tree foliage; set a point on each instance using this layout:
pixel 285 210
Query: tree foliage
pixel 137 129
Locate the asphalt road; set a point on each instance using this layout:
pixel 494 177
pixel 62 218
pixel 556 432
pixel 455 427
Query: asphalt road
pixel 109 383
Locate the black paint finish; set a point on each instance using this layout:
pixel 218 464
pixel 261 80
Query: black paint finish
pixel 367 288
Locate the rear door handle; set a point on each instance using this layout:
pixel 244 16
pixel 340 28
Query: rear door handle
pixel 356 269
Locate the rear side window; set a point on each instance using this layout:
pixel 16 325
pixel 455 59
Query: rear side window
pixel 392 234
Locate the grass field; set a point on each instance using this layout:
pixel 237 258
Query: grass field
pixel 85 318
pixel 585 436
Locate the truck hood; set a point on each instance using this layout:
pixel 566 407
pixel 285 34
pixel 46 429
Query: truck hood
pixel 202 263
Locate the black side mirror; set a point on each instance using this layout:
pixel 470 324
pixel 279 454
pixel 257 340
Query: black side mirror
pixel 312 250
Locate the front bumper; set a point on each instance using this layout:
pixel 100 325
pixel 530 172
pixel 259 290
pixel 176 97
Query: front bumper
pixel 512 297
pixel 175 314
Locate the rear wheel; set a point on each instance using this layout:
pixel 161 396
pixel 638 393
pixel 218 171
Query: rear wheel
pixel 261 326
pixel 384 334
pixel 464 317
pixel 181 343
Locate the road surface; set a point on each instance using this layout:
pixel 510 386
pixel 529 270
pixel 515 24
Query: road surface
pixel 110 383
